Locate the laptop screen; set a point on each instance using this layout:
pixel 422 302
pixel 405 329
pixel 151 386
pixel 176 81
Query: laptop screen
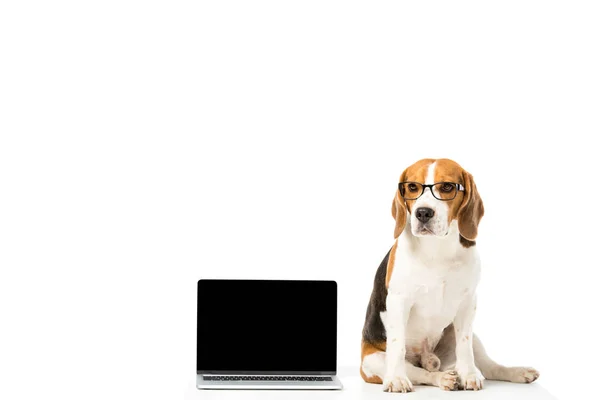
pixel 280 327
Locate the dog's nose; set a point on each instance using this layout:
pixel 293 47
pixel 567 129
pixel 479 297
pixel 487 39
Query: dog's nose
pixel 424 214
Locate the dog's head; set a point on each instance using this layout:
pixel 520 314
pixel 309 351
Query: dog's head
pixel 434 193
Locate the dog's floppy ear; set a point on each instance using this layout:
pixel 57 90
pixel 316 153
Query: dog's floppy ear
pixel 399 210
pixel 471 209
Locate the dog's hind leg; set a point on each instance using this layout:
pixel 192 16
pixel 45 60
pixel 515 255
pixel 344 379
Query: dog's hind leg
pixel 372 365
pixel 429 360
pixel 494 371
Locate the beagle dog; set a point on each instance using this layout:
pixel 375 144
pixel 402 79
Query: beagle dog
pixel 418 327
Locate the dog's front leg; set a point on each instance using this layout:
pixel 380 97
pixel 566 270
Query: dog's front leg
pixel 398 309
pixel 470 377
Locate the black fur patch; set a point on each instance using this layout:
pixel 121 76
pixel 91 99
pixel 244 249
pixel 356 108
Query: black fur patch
pixel 374 331
pixel 466 243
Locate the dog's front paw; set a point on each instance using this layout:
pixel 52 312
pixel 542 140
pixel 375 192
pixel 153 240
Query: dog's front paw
pixel 397 384
pixel 471 381
pixel 523 374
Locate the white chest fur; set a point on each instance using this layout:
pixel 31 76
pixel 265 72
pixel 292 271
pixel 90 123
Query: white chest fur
pixel 434 275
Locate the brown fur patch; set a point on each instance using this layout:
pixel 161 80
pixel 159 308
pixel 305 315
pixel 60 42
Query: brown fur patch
pixel 399 214
pixel 390 265
pixel 365 350
pixel 471 210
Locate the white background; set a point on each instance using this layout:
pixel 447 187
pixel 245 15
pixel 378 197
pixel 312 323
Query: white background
pixel 147 144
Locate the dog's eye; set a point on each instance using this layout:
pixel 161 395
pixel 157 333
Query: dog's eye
pixel 413 188
pixel 447 187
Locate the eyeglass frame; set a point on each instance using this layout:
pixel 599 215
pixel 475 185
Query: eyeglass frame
pixel 458 186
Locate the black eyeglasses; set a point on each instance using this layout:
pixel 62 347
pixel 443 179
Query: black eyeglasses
pixel 442 190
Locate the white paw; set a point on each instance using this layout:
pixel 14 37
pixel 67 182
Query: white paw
pixel 397 384
pixel 524 374
pixel 471 381
pixel 448 380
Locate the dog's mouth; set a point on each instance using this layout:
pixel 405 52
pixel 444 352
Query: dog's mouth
pixel 424 231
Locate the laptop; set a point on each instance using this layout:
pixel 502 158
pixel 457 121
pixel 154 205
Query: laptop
pixel 266 334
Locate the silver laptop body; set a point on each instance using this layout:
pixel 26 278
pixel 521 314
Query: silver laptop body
pixel 267 334
pixel 263 382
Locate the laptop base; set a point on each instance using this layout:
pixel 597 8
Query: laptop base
pixel 333 384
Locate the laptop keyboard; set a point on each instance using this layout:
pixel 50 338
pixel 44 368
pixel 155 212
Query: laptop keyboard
pixel 265 378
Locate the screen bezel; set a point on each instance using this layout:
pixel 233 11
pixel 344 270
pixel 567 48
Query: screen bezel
pixel 255 372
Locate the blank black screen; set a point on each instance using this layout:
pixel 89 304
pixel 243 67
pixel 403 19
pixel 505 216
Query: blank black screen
pixel 267 326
